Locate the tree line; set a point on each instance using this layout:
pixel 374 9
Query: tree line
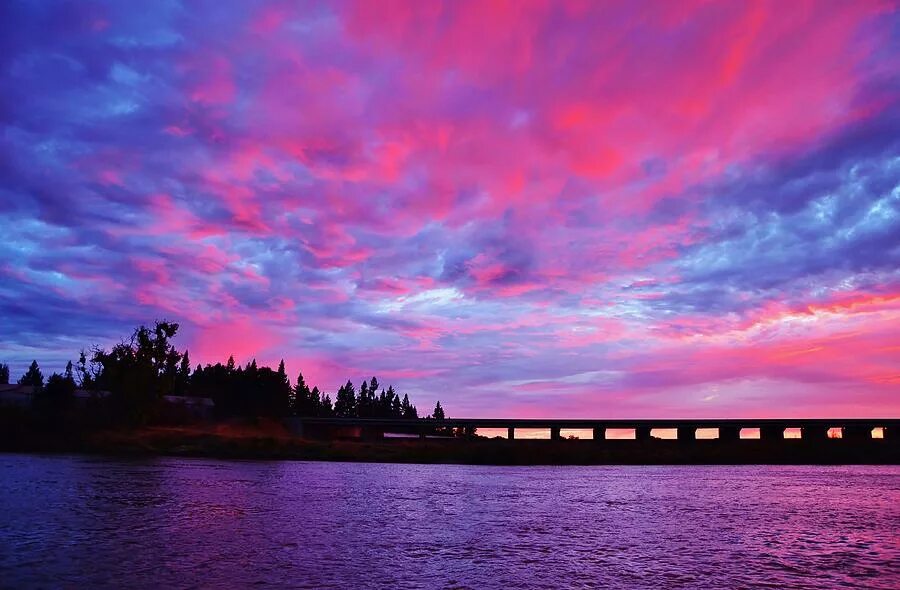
pixel 139 372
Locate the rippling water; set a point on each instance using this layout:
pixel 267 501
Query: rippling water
pixel 92 522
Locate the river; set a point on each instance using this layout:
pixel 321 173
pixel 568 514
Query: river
pixel 94 522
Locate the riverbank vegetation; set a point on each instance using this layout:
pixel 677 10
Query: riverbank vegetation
pixel 135 382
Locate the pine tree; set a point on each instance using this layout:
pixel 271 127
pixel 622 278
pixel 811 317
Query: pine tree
pixel 304 404
pixel 184 375
pixel 408 410
pixel 363 405
pixel 315 402
pixel 438 413
pixel 345 403
pixel 33 376
pixel 4 374
pixel 373 388
pixel 327 409
pixel 396 406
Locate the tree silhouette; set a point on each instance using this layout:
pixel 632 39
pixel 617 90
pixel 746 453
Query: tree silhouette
pixel 86 372
pixel 33 376
pixel 139 372
pixel 327 407
pixel 396 405
pixel 438 413
pixel 345 403
pixel 364 402
pixel 183 380
pixel 302 402
pixel 53 402
pixel 315 401
pixel 408 410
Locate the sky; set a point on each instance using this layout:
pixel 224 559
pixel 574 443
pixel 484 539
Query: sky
pixel 526 209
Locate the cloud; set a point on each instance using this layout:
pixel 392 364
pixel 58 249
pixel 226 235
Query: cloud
pixel 538 208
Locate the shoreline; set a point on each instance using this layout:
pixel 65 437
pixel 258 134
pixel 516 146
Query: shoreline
pixel 229 442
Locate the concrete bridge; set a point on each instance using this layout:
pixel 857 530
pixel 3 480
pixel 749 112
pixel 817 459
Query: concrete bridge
pixel 857 429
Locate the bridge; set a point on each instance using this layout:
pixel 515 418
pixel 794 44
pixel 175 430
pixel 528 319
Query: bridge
pixel 857 429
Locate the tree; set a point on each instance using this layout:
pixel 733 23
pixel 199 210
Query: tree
pixel 438 413
pixel 363 404
pixel 305 403
pixel 345 402
pixel 86 374
pixel 183 380
pixel 53 402
pixel 327 409
pixel 396 406
pixel 373 384
pixel 33 376
pixel 317 403
pixel 408 410
pixel 140 372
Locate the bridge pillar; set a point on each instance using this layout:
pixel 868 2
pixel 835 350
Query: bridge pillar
pixel 771 432
pixel 856 432
pixel 729 433
pixel 686 433
pixel 555 434
pixel 599 433
pixel 642 433
pixel 814 432
pixel 892 433
pixel 511 433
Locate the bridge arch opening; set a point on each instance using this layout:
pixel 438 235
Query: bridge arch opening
pixel 576 433
pixel 492 432
pixel 707 433
pixel 532 433
pixel 664 433
pixel 621 434
pixel 750 434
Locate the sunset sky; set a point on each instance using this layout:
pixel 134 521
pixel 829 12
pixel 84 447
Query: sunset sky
pixel 556 209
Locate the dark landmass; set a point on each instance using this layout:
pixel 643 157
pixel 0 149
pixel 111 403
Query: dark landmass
pixel 270 440
pixel 143 398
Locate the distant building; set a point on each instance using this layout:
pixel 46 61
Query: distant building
pixel 16 395
pixel 23 396
pixel 84 395
pixel 196 407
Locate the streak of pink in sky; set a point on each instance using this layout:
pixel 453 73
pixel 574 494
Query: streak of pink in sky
pixel 557 209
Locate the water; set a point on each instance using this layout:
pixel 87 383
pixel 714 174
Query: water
pixel 90 522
